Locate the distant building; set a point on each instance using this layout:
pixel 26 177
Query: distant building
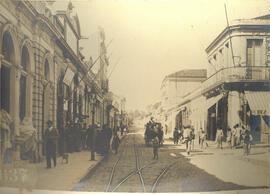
pixel 173 89
pixel 116 110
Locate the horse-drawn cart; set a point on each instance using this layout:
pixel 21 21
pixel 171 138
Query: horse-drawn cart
pixel 153 130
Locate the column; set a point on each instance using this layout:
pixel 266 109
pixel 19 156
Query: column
pixel 233 108
pixel 1 57
pixel 14 106
pixel 29 100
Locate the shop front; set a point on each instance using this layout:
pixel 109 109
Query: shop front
pixel 257 114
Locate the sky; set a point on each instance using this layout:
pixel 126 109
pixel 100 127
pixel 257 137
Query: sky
pixel 153 38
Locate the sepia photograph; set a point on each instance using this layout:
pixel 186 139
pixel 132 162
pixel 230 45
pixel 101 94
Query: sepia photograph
pixel 135 96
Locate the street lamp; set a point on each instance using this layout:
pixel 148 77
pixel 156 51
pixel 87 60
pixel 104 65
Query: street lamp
pixel 93 103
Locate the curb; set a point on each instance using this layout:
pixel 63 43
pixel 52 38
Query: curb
pixel 89 173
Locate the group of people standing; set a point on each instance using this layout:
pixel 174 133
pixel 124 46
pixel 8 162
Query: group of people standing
pixel 77 137
pixel 187 136
pixel 239 135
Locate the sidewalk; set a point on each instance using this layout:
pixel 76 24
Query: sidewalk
pixel 36 176
pixel 230 165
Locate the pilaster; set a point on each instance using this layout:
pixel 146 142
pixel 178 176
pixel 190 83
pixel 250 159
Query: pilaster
pixel 29 100
pixel 14 106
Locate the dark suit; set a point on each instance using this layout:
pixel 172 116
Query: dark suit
pixel 51 138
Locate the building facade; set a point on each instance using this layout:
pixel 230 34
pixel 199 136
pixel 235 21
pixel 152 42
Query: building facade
pixel 44 75
pixel 174 88
pixel 236 90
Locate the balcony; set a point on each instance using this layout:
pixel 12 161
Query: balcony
pixel 237 74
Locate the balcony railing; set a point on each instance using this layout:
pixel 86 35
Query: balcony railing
pixel 237 74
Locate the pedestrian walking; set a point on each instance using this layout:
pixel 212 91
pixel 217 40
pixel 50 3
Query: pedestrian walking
pixel 192 137
pixel 115 143
pixel 91 139
pixel 233 139
pixel 219 136
pixel 155 148
pixel 122 129
pixel 108 135
pixel 247 139
pixel 51 135
pixel 229 137
pixel 203 139
pixel 238 135
pixel 175 136
pixel 160 133
pixel 102 141
pixel 199 132
pixel 187 137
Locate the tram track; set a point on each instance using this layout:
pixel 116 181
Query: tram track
pixel 137 171
pixel 114 167
pixel 138 166
pixel 159 177
pixel 170 173
pixel 132 173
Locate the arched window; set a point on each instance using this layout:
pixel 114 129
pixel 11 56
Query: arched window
pixel 8 48
pixel 8 53
pixel 25 65
pixel 25 58
pixel 46 70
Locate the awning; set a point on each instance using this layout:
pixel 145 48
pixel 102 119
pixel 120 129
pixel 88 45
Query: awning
pixel 68 77
pixel 211 101
pixel 259 102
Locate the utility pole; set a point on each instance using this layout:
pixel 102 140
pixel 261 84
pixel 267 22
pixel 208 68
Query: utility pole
pixel 228 26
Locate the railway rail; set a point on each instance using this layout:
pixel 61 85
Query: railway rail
pixel 137 171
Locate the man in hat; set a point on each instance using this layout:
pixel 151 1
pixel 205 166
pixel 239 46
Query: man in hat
pixel 51 135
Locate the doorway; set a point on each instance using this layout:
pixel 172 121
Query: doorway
pixel 211 123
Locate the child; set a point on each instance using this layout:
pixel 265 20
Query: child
pixel 155 148
pixel 115 143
